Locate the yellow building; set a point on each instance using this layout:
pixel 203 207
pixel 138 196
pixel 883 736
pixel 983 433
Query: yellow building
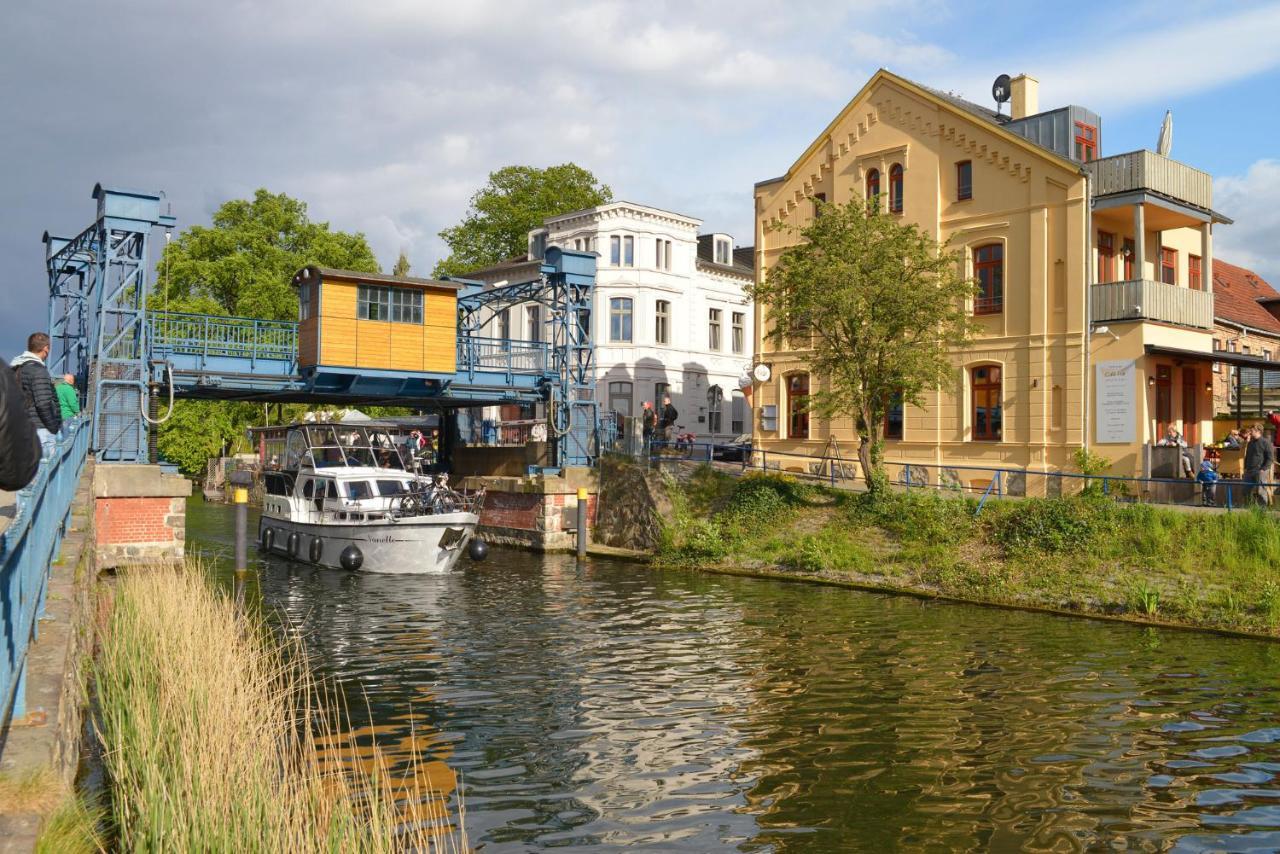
pixel 1095 317
pixel 367 320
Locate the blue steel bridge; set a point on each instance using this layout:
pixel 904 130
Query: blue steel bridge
pixel 130 358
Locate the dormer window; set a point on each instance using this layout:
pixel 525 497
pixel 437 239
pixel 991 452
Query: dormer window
pixel 1086 142
pixel 724 251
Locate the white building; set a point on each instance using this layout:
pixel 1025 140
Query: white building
pixel 670 313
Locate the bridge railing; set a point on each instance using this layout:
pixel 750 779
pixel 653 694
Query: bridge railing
pixel 208 335
pixel 503 355
pixel 28 548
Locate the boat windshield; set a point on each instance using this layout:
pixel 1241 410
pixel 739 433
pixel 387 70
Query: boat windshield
pixel 341 445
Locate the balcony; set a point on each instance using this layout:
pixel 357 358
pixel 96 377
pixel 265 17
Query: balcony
pixel 1140 171
pixel 1143 299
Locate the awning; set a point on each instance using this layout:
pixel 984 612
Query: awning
pixel 1226 357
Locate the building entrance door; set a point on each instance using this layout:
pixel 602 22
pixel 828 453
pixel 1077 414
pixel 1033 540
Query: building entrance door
pixel 1190 422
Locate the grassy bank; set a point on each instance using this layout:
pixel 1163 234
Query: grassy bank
pixel 1085 554
pixel 217 738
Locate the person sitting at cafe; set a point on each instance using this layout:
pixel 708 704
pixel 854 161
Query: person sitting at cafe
pixel 1173 439
pixel 1233 440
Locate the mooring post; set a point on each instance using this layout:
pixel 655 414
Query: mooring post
pixel 240 481
pixel 582 522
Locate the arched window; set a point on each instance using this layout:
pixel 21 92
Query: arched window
pixel 988 414
pixel 988 269
pixel 798 406
pixel 620 319
pixel 873 184
pixel 895 188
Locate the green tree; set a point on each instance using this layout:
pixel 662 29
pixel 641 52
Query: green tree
pixel 881 304
pixel 402 266
pixel 244 262
pixel 516 200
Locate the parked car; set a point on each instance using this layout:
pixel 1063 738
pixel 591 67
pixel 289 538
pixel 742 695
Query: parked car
pixel 736 451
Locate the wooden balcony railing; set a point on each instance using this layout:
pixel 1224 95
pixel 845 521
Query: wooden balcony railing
pixel 1146 170
pixel 1143 299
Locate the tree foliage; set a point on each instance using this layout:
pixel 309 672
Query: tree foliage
pixel 516 200
pixel 402 266
pixel 244 262
pixel 881 304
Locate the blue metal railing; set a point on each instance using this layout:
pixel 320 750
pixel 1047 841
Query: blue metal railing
pixel 993 482
pixel 207 335
pixel 503 355
pixel 28 548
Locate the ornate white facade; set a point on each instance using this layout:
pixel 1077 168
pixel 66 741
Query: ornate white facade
pixel 670 313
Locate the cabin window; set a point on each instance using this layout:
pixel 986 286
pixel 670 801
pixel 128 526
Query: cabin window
pixel 1086 142
pixel 988 269
pixel 391 487
pixel 988 410
pixel 896 186
pixel 333 489
pixel 358 489
pixel 397 305
pixel 304 301
pixel 964 180
pixel 307 486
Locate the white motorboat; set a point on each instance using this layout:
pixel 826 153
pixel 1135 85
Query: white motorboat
pixel 352 497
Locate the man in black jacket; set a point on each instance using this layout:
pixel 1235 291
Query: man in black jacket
pixel 1259 459
pixel 19 447
pixel 667 423
pixel 37 389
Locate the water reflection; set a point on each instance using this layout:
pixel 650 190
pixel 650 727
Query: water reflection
pixel 607 705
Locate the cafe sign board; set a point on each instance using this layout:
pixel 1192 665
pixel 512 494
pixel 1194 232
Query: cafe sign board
pixel 1117 402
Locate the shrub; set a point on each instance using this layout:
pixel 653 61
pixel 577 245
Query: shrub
pixel 918 516
pixel 1052 525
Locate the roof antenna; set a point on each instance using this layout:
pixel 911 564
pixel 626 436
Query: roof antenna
pixel 1001 90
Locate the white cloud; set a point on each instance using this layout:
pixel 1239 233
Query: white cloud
pixel 904 52
pixel 1253 201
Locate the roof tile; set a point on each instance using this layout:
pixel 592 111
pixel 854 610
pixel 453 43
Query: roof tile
pixel 1236 292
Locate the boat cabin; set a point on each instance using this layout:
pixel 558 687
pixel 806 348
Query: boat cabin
pixel 350 319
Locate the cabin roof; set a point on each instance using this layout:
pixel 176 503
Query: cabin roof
pixel 311 270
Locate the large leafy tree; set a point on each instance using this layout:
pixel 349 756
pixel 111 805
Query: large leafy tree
pixel 514 201
pixel 243 263
pixel 881 304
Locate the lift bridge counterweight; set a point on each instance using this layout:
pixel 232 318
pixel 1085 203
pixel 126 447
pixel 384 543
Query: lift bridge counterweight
pixel 120 352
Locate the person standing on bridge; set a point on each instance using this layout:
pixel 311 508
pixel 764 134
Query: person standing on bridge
pixel 19 445
pixel 667 424
pixel 68 401
pixel 37 389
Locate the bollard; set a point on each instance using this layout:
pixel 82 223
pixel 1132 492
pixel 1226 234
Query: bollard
pixel 582 523
pixel 240 497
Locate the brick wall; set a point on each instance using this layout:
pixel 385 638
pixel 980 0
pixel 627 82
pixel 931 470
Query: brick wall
pixel 139 529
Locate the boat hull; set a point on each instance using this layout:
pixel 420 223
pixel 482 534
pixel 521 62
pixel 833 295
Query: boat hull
pixel 414 546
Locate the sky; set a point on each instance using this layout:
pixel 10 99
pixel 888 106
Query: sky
pixel 386 117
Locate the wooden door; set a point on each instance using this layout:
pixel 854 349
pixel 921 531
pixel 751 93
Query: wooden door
pixel 1190 421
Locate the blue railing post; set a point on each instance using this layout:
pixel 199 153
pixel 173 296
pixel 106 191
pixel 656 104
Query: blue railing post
pixel 999 484
pixel 1229 491
pixel 906 476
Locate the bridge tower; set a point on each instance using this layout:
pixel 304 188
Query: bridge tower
pixel 99 282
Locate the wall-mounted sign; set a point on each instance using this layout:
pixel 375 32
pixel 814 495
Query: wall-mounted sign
pixel 1117 402
pixel 769 417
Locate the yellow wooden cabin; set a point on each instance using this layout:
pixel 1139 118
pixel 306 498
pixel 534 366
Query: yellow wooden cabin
pixel 368 320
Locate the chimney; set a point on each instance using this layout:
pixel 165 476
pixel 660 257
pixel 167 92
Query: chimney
pixel 1025 99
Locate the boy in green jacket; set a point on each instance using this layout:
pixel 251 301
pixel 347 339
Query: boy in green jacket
pixel 68 401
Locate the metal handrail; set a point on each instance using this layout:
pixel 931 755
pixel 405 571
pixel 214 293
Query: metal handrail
pixel 210 335
pixel 28 548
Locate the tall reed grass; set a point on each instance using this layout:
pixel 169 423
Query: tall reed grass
pixel 217 737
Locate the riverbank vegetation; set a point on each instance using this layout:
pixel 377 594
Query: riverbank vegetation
pixel 1084 553
pixel 216 737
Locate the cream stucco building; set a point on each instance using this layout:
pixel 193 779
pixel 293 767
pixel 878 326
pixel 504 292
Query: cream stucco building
pixel 1095 309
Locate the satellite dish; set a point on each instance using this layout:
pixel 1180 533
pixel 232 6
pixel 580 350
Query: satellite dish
pixel 1002 89
pixel 762 373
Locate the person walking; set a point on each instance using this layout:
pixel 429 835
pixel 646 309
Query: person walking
pixel 1256 454
pixel 667 423
pixel 68 400
pixel 20 450
pixel 37 390
pixel 648 422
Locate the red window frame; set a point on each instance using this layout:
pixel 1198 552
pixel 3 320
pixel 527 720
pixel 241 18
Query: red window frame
pixel 1106 257
pixel 896 186
pixel 798 406
pixel 1193 273
pixel 986 388
pixel 873 184
pixel 1168 265
pixel 988 270
pixel 1129 251
pixel 1086 142
pixel 964 180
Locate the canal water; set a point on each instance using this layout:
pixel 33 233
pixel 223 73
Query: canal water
pixel 607 705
